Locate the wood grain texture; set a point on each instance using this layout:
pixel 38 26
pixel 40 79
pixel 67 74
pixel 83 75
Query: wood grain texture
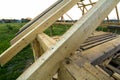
pixel 50 17
pixel 49 62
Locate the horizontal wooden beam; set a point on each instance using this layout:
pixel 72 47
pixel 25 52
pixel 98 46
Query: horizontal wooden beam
pixel 49 62
pixel 41 44
pixel 45 41
pixel 49 18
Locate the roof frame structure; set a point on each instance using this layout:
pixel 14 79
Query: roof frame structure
pixel 53 57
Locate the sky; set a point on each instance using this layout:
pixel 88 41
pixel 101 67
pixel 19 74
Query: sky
pixel 17 9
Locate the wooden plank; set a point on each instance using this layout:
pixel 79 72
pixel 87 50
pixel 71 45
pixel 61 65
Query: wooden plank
pixel 36 21
pixel 69 17
pixel 50 18
pixel 45 41
pixel 41 44
pixel 78 73
pixel 113 68
pixel 100 75
pixel 69 42
pixel 101 70
pixel 91 2
pixel 37 49
pixel 116 76
pixel 117 13
pixel 97 40
pixel 64 74
pixel 99 53
pixel 97 43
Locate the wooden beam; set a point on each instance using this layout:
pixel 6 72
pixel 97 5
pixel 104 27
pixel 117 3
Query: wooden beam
pixel 97 73
pixel 116 76
pixel 98 54
pixel 72 71
pixel 49 62
pixel 91 2
pixel 41 44
pixel 80 5
pixel 25 38
pixel 84 7
pixel 64 74
pixel 69 17
pixel 114 69
pixel 35 22
pixel 45 41
pixel 108 18
pixel 37 49
pixel 101 70
pixel 117 13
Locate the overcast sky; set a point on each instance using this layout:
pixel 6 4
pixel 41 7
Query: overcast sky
pixel 30 8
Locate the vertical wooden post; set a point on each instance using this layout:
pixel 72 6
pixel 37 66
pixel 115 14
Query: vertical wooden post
pixel 117 13
pixel 91 2
pixel 37 49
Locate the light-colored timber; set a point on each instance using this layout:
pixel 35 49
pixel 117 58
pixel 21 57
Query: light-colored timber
pixel 79 31
pixel 28 36
pixel 41 44
pixel 117 76
pixel 71 71
pixel 53 57
pixel 45 41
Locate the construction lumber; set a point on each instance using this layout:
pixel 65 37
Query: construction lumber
pixel 36 21
pixel 26 38
pixel 37 49
pixel 45 41
pixel 64 74
pixel 100 69
pixel 116 76
pixel 71 71
pixel 49 62
pixel 81 5
pixel 94 39
pixel 99 53
pixel 41 44
pixel 97 43
pixel 117 13
pixel 91 2
pixel 93 70
pixel 113 68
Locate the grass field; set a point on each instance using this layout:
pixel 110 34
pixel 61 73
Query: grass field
pixel 24 58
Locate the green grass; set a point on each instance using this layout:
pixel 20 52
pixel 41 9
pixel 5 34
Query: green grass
pixel 7 32
pixel 23 59
pixel 57 29
pixel 105 29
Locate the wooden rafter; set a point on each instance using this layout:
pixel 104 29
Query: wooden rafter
pixel 82 5
pixel 69 42
pixel 28 35
pixel 91 2
pixel 117 13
